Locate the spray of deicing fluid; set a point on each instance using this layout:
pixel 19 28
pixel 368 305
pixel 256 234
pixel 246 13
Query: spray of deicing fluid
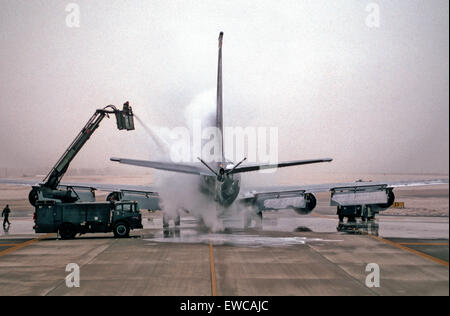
pixel 180 193
pixel 162 145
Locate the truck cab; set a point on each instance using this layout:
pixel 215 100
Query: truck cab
pixel 126 216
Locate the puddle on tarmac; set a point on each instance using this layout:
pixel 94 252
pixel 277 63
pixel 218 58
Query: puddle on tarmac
pixel 271 222
pixel 190 236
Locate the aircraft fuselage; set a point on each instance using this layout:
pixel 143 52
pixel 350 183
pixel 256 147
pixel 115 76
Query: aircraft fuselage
pixel 224 189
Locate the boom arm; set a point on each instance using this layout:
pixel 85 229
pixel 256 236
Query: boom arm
pixel 49 187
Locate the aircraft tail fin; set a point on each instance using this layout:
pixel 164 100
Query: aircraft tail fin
pixel 219 104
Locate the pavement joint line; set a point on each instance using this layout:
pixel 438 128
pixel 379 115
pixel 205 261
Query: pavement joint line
pixel 212 270
pixel 413 251
pixel 24 244
pixel 354 279
pixel 81 266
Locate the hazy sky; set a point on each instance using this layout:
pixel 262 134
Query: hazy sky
pixel 374 99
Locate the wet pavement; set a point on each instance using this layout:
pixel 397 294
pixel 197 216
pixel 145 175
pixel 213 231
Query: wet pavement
pixel 19 226
pixel 234 238
pixel 286 254
pixel 288 221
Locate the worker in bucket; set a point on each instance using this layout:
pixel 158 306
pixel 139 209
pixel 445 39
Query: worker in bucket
pixel 5 215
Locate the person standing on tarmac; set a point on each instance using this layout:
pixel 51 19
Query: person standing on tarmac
pixel 5 215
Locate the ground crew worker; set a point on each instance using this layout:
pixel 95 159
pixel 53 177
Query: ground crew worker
pixel 5 215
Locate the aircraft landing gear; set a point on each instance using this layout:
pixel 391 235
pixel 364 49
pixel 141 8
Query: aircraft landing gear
pixel 177 220
pixel 247 219
pixel 249 215
pixel 174 231
pixel 167 218
pixel 259 219
pixel 165 221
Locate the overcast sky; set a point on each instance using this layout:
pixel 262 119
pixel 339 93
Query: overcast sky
pixel 374 99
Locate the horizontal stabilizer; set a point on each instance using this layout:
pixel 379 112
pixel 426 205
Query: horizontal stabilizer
pixel 255 167
pixel 168 166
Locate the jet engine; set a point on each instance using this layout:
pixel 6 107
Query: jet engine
pixel 390 200
pixel 310 204
pixel 360 205
pixel 379 197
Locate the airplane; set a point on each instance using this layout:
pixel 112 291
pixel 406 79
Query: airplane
pixel 220 181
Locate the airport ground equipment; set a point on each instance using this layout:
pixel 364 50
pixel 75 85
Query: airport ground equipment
pixel 357 206
pixel 147 200
pixel 50 189
pixel 70 219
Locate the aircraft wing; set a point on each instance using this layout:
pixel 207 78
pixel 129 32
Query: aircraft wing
pixel 96 186
pixel 193 168
pixel 246 192
pixel 252 192
pixel 20 182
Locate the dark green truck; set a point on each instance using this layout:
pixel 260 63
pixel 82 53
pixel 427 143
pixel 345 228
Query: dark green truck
pixel 70 219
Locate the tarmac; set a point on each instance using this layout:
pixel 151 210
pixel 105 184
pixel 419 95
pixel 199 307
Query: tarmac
pixel 288 255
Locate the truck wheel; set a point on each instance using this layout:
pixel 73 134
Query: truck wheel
pixel 33 196
pixel 121 230
pixel 67 231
